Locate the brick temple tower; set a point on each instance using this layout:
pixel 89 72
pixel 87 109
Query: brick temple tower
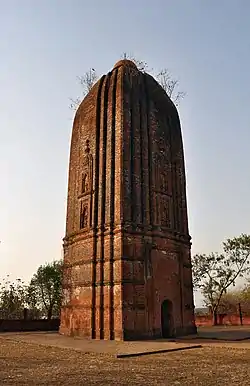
pixel 127 270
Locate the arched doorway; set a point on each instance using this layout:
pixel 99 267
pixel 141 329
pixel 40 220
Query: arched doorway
pixel 167 319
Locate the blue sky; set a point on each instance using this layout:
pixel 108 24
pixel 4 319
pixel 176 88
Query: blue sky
pixel 46 44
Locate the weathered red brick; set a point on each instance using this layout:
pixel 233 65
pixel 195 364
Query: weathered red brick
pixel 127 244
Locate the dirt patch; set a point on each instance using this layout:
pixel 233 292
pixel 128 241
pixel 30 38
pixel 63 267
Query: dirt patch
pixel 31 364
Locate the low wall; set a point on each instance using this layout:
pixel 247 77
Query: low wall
pixel 233 320
pixel 29 325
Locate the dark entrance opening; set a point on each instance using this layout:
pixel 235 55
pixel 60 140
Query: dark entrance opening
pixel 167 319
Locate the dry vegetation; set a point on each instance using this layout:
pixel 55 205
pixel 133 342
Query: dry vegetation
pixel 30 364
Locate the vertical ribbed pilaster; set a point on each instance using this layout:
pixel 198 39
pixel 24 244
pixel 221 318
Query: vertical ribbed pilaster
pixel 127 149
pixel 113 167
pixel 102 202
pixel 149 151
pixel 136 156
pixel 144 156
pixel 95 203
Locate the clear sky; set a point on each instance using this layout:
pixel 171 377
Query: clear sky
pixel 46 44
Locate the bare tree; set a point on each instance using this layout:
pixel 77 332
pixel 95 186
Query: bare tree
pixel 164 78
pixel 140 64
pixel 86 82
pixel 170 85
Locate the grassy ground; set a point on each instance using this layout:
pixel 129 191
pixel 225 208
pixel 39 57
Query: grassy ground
pixel 30 364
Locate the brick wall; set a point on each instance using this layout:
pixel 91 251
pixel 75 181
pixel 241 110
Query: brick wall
pixel 29 325
pixel 233 320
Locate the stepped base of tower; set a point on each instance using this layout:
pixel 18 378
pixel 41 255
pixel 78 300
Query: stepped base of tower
pixel 157 334
pixel 125 335
pixel 144 292
pixel 75 324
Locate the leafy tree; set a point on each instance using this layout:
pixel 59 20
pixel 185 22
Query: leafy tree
pixel 164 78
pixel 231 300
pixel 33 306
pixel 213 274
pixel 229 303
pixel 12 298
pixel 45 289
pixel 244 298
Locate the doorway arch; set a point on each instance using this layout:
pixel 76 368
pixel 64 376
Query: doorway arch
pixel 167 319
